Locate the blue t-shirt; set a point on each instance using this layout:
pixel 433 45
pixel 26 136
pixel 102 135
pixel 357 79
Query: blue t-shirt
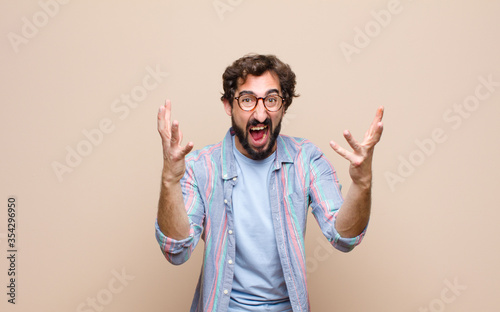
pixel 258 283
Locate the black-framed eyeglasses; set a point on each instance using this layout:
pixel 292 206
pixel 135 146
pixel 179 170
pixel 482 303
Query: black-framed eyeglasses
pixel 248 102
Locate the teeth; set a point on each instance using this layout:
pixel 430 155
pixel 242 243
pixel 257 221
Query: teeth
pixel 258 128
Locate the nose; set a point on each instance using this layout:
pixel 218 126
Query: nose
pixel 260 112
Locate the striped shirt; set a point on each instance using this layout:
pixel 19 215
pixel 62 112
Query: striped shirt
pixel 301 177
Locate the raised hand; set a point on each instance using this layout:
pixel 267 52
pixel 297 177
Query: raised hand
pixel 361 157
pixel 171 138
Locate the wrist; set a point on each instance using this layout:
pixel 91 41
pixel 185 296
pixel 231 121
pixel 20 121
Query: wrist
pixel 364 184
pixel 168 179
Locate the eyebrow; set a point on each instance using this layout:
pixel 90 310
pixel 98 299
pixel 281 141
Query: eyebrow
pixel 267 92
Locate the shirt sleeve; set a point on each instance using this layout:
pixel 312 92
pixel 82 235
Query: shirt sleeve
pixel 326 200
pixel 179 251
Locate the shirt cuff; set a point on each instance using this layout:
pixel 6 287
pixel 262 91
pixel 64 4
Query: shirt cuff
pixel 170 246
pixel 347 244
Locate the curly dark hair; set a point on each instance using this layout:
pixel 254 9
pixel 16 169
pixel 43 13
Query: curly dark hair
pixel 256 65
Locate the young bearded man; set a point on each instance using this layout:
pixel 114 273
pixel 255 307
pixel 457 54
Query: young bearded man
pixel 248 196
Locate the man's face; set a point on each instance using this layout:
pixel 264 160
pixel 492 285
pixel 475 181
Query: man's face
pixel 256 131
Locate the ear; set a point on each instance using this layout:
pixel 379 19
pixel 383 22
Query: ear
pixel 227 107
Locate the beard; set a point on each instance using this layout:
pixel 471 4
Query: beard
pixel 243 138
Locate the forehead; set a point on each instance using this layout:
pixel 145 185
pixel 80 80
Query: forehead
pixel 260 84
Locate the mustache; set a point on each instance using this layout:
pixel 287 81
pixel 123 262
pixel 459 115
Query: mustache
pixel 255 122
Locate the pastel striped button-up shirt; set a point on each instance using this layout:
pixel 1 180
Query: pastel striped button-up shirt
pixel 301 177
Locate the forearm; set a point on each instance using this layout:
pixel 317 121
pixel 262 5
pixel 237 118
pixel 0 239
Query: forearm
pixel 172 216
pixel 354 214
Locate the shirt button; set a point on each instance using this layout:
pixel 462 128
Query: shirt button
pixel 230 261
pixel 230 231
pixel 226 292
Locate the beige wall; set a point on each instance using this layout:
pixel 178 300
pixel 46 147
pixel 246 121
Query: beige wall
pixel 435 210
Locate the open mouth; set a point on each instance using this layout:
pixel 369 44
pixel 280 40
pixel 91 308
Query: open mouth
pixel 259 134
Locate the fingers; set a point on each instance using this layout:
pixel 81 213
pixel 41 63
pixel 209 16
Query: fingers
pixel 186 149
pixel 177 139
pixel 378 115
pixel 168 109
pixel 176 135
pixel 171 132
pixel 362 151
pixel 374 133
pixel 352 142
pixel 380 112
pixel 376 125
pixel 378 132
pixel 341 151
pixel 161 118
pixel 164 118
